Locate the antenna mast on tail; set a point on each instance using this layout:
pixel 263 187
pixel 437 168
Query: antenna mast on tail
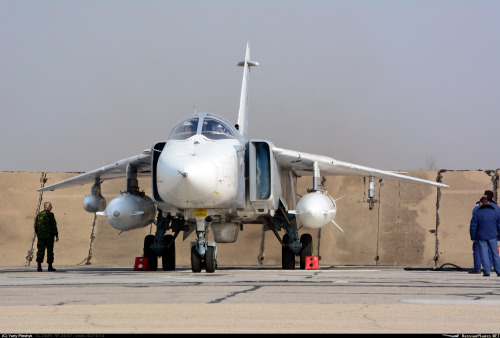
pixel 242 114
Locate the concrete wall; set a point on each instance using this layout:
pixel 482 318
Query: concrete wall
pixel 410 225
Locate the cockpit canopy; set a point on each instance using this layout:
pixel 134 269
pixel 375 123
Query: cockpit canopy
pixel 209 125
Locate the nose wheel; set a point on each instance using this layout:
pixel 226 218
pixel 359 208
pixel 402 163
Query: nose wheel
pixel 196 261
pixel 208 261
pixel 203 253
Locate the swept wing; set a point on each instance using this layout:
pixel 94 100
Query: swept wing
pixel 302 164
pixel 115 170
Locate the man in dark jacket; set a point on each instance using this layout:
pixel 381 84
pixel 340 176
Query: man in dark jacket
pixel 475 245
pixel 46 231
pixel 485 228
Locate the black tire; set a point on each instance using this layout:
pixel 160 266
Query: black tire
pixel 287 255
pixel 168 254
pixel 149 253
pixel 306 250
pixel 195 260
pixel 210 259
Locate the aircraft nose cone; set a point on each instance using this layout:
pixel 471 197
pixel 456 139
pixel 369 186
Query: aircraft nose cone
pixel 189 180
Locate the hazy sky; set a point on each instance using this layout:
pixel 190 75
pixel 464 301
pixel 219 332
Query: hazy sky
pixel 397 85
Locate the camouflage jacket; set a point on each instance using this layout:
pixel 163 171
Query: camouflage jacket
pixel 46 225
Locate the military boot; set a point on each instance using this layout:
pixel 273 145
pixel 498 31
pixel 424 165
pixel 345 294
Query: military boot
pixel 51 268
pixel 39 268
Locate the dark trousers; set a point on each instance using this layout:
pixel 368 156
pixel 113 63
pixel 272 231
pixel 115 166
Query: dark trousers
pixel 43 244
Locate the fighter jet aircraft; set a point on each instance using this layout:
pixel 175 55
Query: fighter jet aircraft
pixel 209 175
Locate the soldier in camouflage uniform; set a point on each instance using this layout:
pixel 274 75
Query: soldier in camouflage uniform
pixel 46 230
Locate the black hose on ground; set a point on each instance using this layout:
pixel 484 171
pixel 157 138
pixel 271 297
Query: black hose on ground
pixel 441 268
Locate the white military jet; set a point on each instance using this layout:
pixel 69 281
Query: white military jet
pixel 208 174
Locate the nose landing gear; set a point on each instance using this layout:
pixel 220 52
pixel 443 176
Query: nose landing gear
pixel 203 253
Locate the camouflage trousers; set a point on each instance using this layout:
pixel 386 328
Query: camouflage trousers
pixel 43 244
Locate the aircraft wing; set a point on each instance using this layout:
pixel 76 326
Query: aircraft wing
pixel 115 170
pixel 302 164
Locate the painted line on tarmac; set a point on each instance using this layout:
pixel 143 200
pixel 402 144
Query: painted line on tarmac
pixel 451 301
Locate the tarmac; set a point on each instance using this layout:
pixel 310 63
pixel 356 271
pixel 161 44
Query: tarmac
pixel 248 299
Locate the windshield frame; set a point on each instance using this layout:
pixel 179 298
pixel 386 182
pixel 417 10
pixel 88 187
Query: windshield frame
pixel 180 131
pixel 215 129
pixel 205 124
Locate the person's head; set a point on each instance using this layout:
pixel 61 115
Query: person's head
pixel 188 127
pixel 488 194
pixel 219 129
pixel 47 206
pixel 484 200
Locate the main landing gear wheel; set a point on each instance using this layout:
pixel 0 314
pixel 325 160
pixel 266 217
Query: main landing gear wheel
pixel 306 250
pixel 287 255
pixel 149 253
pixel 168 255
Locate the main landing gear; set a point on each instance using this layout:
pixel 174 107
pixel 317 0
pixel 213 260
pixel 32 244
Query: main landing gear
pixel 291 245
pixel 164 248
pixel 161 244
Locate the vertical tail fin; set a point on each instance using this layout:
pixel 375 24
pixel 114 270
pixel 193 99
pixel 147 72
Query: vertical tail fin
pixel 242 114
